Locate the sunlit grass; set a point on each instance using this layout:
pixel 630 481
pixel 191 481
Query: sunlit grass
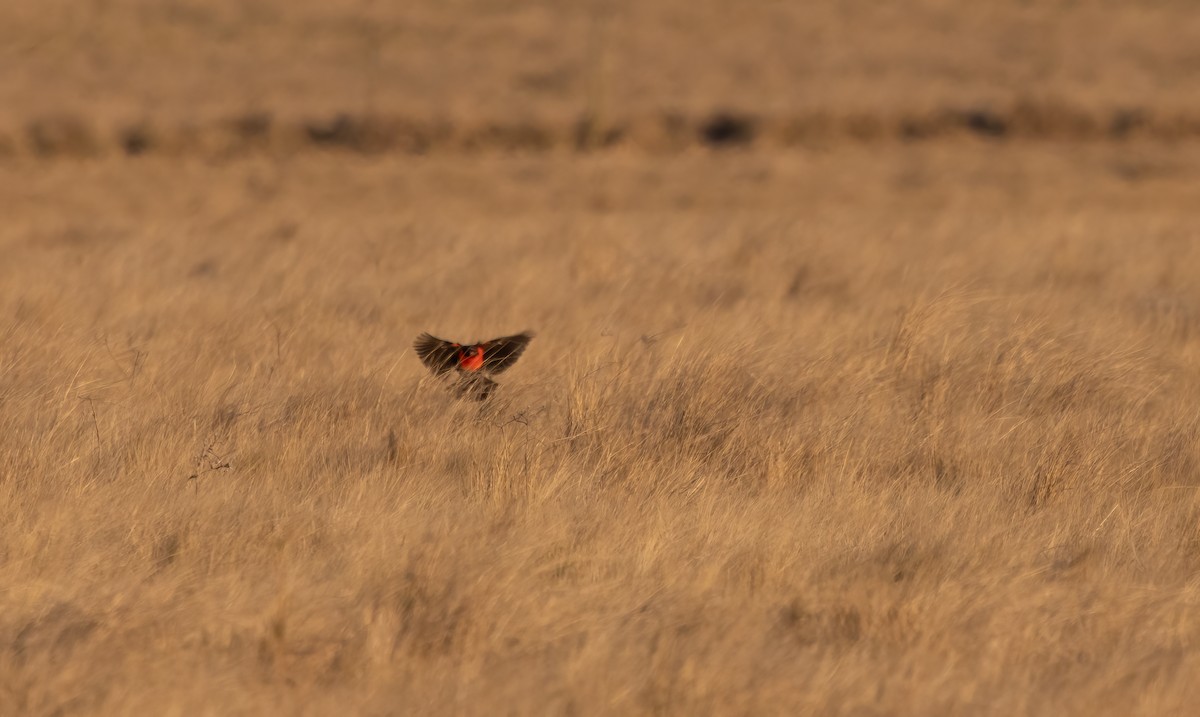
pixel 879 430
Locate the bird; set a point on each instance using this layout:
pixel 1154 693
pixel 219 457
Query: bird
pixel 473 364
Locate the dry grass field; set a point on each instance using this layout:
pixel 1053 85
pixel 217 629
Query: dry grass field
pixel 865 427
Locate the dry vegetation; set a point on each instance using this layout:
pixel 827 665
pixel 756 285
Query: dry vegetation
pixel 907 431
pixel 541 59
pixel 221 77
pixel 872 427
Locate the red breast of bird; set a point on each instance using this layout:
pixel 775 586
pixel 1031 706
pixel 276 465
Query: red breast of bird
pixel 470 358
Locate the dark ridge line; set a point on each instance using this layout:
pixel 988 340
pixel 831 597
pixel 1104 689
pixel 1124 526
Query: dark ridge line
pixel 73 136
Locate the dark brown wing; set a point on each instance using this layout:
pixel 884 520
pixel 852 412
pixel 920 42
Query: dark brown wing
pixel 440 356
pixel 499 354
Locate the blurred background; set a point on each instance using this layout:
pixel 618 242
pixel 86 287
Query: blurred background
pixel 222 76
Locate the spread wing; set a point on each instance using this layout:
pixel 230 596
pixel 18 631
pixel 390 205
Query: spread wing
pixel 438 355
pixel 499 354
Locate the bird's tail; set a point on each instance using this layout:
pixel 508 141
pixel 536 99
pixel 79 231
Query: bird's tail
pixel 475 387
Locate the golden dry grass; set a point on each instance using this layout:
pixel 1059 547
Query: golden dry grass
pixel 835 423
pixel 878 431
pixel 540 59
